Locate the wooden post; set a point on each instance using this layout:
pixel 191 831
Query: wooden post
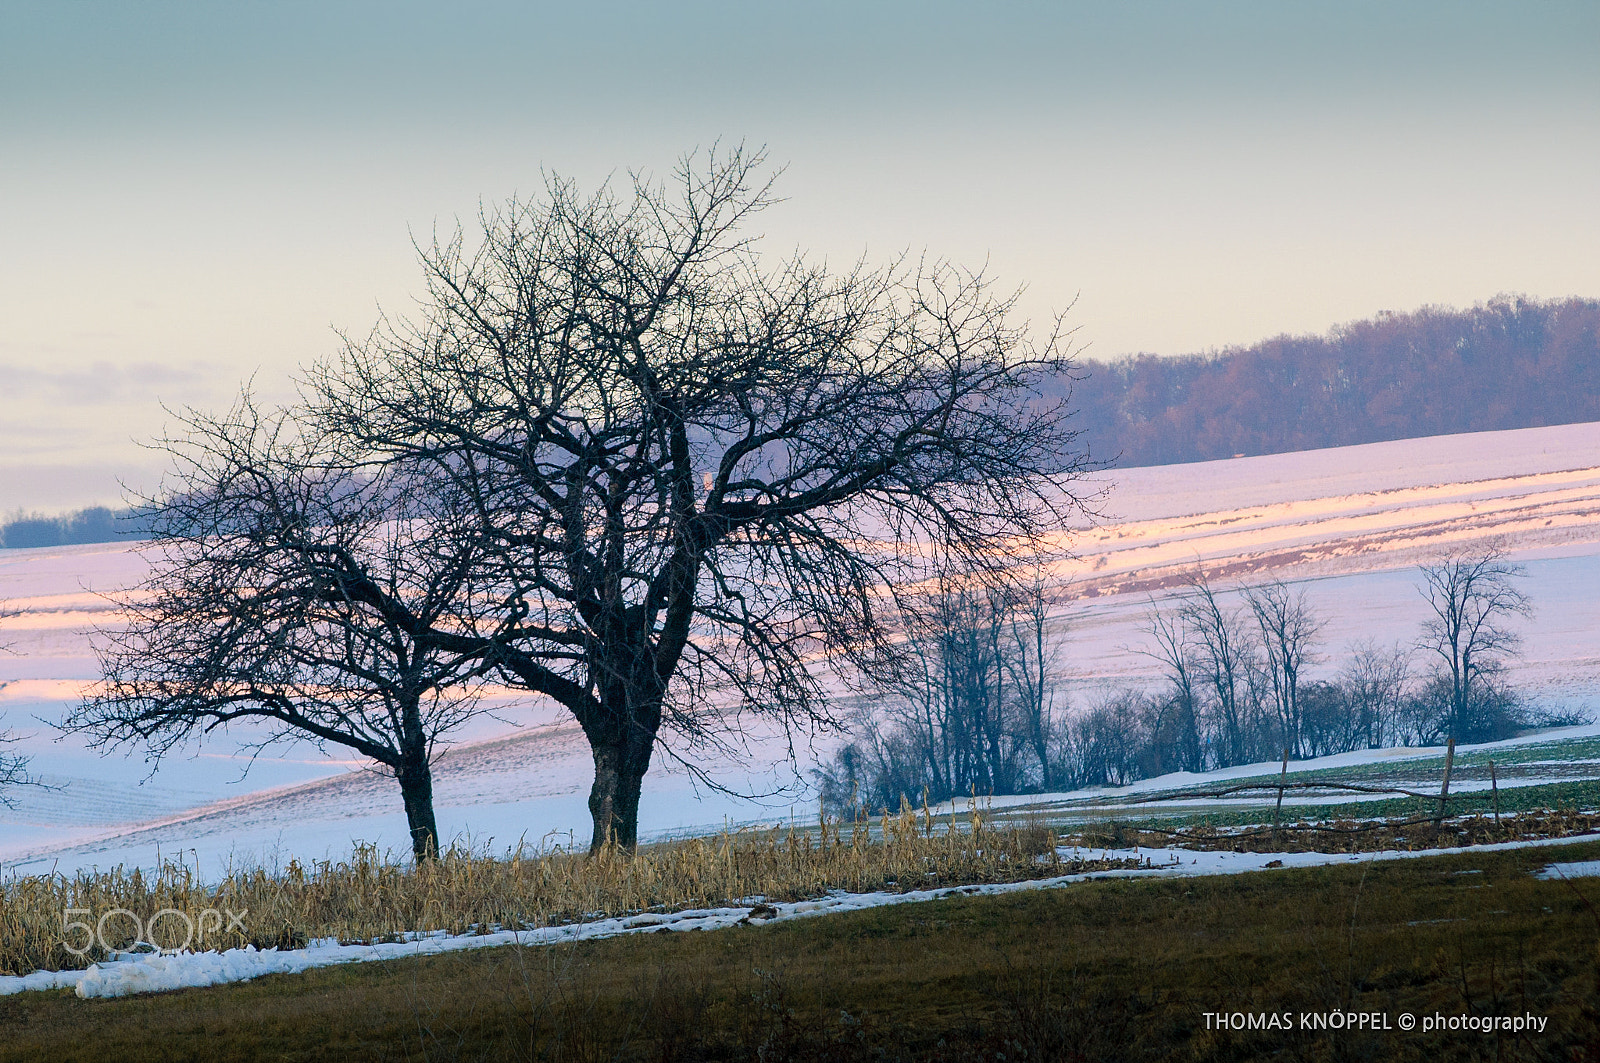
pixel 1444 790
pixel 1494 787
pixel 1282 775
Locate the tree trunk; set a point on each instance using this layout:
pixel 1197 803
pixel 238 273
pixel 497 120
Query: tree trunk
pixel 416 788
pixel 1041 749
pixel 619 769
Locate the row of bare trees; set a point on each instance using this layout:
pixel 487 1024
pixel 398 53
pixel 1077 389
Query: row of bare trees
pixel 1235 673
pixel 983 716
pixel 973 713
pixel 1237 688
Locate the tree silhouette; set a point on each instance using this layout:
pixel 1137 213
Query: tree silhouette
pixel 1472 595
pixel 696 474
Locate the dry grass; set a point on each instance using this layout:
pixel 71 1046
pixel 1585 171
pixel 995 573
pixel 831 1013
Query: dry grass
pixel 371 897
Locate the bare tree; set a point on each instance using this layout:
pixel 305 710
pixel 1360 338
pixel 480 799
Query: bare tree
pixel 1176 722
pixel 975 698
pixel 1328 721
pixel 967 627
pixel 913 701
pixel 1031 667
pixel 1288 631
pixel 969 708
pixel 700 474
pixel 291 591
pixel 1472 595
pixel 1224 660
pixel 1374 679
pixel 1103 744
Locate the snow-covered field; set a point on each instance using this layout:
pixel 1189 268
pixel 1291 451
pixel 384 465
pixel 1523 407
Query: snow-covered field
pixel 1350 523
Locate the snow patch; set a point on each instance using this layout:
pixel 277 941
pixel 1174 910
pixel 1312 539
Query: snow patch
pixel 1571 869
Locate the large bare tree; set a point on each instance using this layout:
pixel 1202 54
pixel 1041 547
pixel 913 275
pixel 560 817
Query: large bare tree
pixel 1472 594
pixel 298 594
pixel 699 472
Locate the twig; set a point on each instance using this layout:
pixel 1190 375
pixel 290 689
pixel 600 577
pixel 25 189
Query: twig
pixel 1227 790
pixel 1360 829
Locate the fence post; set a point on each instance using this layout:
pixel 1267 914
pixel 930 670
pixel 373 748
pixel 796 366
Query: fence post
pixel 1283 774
pixel 1444 790
pixel 1494 788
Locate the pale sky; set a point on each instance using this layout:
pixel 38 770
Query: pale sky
pixel 195 194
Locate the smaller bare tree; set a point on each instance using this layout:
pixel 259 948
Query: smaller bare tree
pixel 1176 653
pixel 1102 744
pixel 299 594
pixel 1288 631
pixel 970 704
pixel 1031 667
pixel 1223 656
pixel 1374 678
pixel 952 698
pixel 1472 595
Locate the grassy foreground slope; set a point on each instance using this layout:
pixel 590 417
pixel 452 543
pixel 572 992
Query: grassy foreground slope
pixel 1112 969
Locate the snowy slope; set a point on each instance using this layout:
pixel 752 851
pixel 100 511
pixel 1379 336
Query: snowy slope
pixel 1351 523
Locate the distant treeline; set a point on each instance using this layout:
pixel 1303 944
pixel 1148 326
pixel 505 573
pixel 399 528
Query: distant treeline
pixel 97 524
pixel 1510 363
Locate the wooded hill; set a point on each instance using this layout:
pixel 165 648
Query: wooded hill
pixel 96 524
pixel 1508 363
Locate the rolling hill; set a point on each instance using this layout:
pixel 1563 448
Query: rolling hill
pixel 1349 523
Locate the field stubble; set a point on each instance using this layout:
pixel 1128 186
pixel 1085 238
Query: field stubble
pixel 372 898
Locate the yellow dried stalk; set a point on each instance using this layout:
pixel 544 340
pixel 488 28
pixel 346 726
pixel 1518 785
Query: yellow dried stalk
pixel 373 897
